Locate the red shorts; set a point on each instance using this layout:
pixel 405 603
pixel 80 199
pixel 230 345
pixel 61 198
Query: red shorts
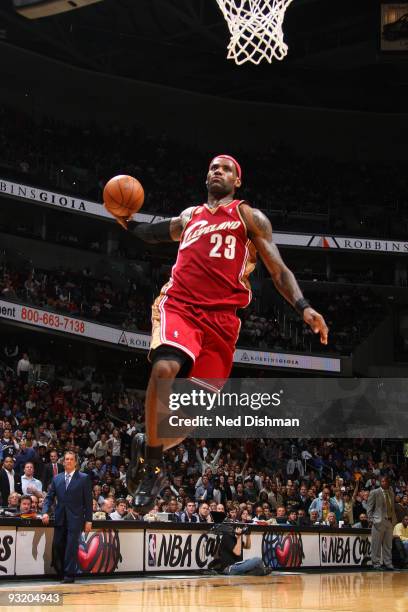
pixel 206 335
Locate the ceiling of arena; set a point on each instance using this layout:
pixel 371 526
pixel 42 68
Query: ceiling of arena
pixel 333 56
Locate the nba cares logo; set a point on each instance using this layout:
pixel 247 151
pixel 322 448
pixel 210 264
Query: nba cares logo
pixel 191 234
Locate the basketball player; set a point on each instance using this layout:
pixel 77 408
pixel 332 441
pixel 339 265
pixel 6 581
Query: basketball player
pixel 195 325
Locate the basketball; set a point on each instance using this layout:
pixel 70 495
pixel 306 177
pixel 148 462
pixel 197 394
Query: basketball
pixel 123 196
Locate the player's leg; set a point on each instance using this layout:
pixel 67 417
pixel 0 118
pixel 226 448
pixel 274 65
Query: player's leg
pixel 149 447
pixel 165 369
pixel 145 478
pixel 176 343
pixel 176 340
pixel 213 366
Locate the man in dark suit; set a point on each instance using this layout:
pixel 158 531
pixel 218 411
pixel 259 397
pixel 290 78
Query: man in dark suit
pixel 73 513
pixel 10 482
pixel 53 468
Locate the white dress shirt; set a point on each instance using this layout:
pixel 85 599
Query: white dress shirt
pixel 26 482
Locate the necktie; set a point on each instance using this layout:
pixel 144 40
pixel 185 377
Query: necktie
pixel 388 504
pixel 67 479
pixel 55 469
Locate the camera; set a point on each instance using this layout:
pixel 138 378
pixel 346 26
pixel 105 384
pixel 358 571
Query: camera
pixel 227 527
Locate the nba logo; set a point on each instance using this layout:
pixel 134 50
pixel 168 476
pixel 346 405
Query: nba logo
pixel 151 561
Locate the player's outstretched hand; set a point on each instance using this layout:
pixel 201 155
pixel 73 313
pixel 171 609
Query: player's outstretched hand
pixel 316 323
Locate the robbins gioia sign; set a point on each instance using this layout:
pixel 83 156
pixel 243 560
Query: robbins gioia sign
pixel 74 204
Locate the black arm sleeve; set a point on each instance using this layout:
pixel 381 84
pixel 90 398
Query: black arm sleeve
pixel 152 232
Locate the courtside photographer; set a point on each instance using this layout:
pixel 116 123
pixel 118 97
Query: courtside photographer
pixel 229 558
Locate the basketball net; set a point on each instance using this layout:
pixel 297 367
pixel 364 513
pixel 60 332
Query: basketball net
pixel 256 29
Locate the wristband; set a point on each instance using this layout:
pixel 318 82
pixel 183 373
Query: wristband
pixel 300 305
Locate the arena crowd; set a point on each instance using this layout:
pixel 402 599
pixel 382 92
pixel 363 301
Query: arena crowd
pixel 80 294
pixel 296 482
pixel 317 194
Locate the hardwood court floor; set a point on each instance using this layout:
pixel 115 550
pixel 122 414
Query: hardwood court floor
pixel 340 592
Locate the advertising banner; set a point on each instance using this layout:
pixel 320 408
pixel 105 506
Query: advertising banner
pixel 60 322
pixel 182 550
pixel 55 321
pixel 27 551
pixel 287 360
pixel 102 551
pixel 75 204
pixel 34 551
pixel 345 550
pixel 7 551
pixel 285 549
pixel 107 551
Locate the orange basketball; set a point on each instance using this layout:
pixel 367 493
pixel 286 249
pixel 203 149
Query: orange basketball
pixel 123 196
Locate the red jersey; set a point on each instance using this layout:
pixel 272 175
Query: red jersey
pixel 214 260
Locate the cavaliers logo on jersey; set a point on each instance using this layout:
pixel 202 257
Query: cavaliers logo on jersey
pixel 194 231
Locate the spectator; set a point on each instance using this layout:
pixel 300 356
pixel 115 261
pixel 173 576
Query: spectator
pixel 25 504
pixel 294 468
pixel 172 509
pixel 107 507
pixel 331 520
pixel 34 503
pixel 337 502
pixel 8 446
pixel 213 464
pixel 304 499
pixel 204 515
pixel 314 517
pixel 322 505
pixel 293 518
pixel 189 515
pixel 10 482
pixel 25 454
pixel 53 468
pixel 291 498
pixel 203 490
pixel 400 536
pixel 101 447
pixel 400 509
pixel 23 368
pixel 281 517
pixel 29 484
pixel 232 514
pixel 14 500
pixel 303 518
pixel 115 444
pixel 362 522
pixel 133 514
pixel 120 511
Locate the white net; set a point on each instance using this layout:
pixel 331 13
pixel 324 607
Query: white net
pixel 256 29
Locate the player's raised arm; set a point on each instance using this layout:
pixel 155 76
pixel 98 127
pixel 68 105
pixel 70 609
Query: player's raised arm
pixel 168 230
pixel 260 232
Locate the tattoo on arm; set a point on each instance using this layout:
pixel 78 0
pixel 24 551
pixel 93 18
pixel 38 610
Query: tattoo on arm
pixel 260 232
pixel 177 224
pixel 176 228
